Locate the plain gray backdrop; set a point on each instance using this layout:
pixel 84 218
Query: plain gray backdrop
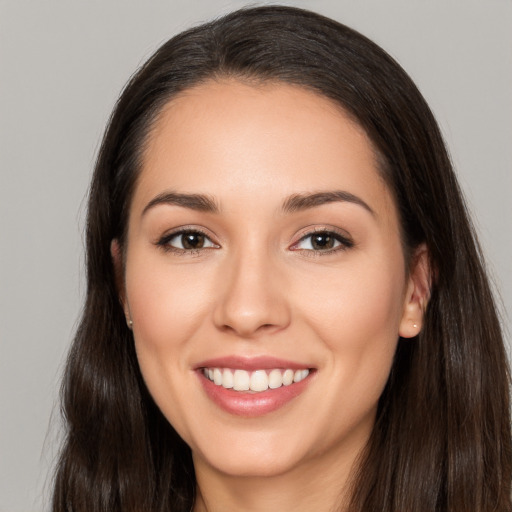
pixel 62 66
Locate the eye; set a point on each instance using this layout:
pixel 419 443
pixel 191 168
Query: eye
pixel 186 240
pixel 323 241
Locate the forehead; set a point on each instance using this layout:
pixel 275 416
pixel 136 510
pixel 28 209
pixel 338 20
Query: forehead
pixel 234 139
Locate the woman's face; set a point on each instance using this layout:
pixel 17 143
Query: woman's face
pixel 263 247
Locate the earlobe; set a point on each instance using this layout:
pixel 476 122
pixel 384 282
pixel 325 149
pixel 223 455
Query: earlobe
pixel 118 264
pixel 417 294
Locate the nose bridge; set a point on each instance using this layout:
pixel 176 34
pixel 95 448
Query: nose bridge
pixel 251 298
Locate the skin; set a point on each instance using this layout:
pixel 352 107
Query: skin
pixel 261 289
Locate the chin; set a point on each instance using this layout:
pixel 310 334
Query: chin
pixel 250 454
pixel 256 466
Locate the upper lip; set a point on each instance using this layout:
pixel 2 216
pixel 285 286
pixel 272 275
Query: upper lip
pixel 251 363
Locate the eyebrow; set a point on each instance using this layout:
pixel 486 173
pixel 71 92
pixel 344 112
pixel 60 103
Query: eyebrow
pixel 299 202
pixel 294 203
pixel 198 202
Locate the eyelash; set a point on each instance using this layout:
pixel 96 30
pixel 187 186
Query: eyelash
pixel 164 242
pixel 344 243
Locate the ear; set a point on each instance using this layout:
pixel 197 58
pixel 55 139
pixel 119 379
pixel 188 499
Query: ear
pixel 117 260
pixel 417 294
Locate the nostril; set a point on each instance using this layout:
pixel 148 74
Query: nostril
pixel 249 331
pixel 248 306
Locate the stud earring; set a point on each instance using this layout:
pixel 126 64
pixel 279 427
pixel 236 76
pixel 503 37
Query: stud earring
pixel 415 326
pixel 129 322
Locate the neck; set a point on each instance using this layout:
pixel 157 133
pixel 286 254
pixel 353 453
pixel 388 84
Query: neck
pixel 322 484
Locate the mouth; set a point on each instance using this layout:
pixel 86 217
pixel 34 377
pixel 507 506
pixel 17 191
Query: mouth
pixel 253 387
pixel 256 381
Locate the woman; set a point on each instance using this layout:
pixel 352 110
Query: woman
pixel 286 306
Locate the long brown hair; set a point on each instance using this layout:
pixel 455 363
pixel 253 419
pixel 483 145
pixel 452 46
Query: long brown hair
pixel 442 438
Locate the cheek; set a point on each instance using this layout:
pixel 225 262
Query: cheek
pixel 366 297
pixel 167 303
pixel 168 307
pixel 357 315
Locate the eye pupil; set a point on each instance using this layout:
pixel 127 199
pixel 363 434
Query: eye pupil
pixel 192 240
pixel 322 241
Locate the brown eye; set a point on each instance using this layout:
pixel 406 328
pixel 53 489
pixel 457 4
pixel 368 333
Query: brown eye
pixel 187 241
pixel 192 240
pixel 323 241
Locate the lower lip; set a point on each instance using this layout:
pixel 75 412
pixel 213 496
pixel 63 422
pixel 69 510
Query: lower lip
pixel 250 405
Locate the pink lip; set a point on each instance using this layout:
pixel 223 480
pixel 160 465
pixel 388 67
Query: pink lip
pixel 251 364
pixel 249 404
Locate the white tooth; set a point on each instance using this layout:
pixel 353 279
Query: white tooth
pixel 259 381
pixel 217 376
pixel 241 380
pixel 275 379
pixel 297 377
pixel 305 373
pixel 288 377
pixel 227 378
pixel 210 373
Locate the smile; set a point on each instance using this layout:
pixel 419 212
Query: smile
pixel 253 386
pixel 256 381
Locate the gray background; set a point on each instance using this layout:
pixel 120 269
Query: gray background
pixel 62 66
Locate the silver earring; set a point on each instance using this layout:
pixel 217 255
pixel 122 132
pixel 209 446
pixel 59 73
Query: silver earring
pixel 415 326
pixel 129 322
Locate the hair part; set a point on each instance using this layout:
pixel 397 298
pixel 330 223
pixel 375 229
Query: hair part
pixel 442 435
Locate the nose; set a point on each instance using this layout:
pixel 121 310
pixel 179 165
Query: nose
pixel 251 297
